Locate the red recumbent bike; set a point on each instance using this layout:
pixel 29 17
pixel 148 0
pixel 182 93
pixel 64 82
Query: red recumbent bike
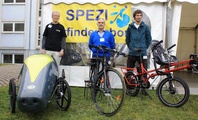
pixel 172 91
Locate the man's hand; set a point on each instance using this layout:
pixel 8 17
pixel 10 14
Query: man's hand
pixel 61 53
pixel 43 51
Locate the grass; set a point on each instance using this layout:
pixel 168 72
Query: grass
pixel 84 109
pixel 3 64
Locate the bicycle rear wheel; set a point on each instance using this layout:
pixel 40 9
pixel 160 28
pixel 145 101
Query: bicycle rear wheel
pixel 131 90
pixel 109 99
pixel 63 94
pixel 173 93
pixel 12 93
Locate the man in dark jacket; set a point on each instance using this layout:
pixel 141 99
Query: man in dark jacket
pixel 138 36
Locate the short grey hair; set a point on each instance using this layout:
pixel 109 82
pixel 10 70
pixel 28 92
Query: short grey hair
pixel 56 12
pixel 100 19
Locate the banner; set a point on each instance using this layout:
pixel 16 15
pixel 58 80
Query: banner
pixel 80 20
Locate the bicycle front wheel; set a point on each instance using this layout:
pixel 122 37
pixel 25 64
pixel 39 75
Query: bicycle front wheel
pixel 63 95
pixel 173 93
pixel 109 93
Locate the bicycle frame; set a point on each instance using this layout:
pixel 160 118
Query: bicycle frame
pixel 97 70
pixel 168 87
pixel 103 78
pixel 152 73
pixel 162 70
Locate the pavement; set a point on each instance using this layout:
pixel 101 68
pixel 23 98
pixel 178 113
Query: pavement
pixel 8 72
pixel 12 71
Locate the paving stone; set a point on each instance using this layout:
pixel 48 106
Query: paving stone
pixel 8 72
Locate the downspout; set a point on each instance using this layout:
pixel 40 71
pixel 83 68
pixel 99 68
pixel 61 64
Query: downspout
pixel 30 28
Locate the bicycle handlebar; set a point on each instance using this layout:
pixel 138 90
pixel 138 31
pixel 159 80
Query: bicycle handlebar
pixel 155 46
pixel 93 46
pixel 171 47
pixel 101 47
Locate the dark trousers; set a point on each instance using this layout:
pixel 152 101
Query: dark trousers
pixel 133 59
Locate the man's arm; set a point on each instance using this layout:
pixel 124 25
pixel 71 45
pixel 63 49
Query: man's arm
pixel 148 37
pixel 90 41
pixel 112 42
pixel 45 34
pixel 63 43
pixel 43 42
pixel 128 36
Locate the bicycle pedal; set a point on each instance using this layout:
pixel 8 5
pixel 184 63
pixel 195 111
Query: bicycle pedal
pixel 88 83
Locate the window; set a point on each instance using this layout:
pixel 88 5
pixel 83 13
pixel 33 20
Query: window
pixel 18 59
pixel 39 34
pixel 12 58
pixel 7 58
pixel 7 27
pixel 8 1
pixel 39 23
pixel 14 1
pixel 20 1
pixel 13 27
pixel 19 26
pixel 40 7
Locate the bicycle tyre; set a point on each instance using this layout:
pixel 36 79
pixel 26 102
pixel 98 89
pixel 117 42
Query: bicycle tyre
pixel 175 96
pixel 12 93
pixel 63 95
pixel 92 76
pixel 131 90
pixel 109 102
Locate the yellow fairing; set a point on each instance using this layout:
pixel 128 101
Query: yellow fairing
pixel 36 63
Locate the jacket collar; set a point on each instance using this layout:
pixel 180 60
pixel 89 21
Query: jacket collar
pixel 132 24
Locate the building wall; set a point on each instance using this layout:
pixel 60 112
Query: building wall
pixel 19 42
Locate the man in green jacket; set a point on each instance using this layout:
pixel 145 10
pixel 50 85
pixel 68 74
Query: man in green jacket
pixel 138 36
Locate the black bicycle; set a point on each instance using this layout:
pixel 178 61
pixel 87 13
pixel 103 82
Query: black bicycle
pixel 106 83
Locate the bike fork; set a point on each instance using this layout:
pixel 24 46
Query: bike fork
pixel 106 83
pixel 171 85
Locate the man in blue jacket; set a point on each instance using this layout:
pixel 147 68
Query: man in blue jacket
pixel 101 37
pixel 138 36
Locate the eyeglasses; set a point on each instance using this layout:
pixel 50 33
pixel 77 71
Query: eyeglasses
pixel 56 15
pixel 100 22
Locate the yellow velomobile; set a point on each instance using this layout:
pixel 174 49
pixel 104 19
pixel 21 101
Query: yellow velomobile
pixel 38 84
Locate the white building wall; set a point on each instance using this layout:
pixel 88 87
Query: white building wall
pixel 23 43
pixel 14 12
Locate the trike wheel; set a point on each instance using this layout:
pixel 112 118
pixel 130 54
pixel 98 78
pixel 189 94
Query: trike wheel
pixel 109 94
pixel 12 93
pixel 63 95
pixel 131 90
pixel 174 92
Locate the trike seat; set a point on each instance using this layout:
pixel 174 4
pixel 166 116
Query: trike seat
pixel 160 55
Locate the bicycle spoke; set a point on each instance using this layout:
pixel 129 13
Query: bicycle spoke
pixel 109 99
pixel 65 95
pixel 174 93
